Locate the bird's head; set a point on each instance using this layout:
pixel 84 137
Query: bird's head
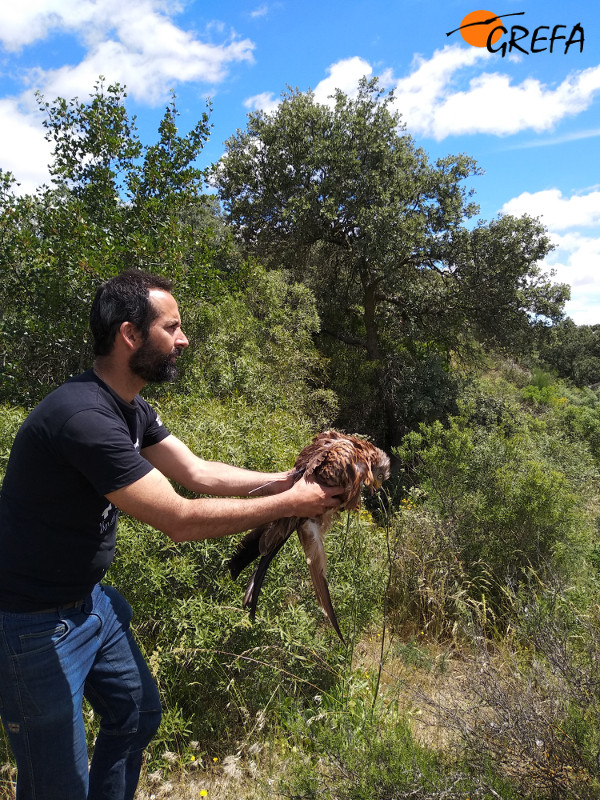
pixel 380 468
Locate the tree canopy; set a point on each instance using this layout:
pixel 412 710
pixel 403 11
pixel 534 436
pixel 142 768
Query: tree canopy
pixel 342 197
pixel 113 203
pixel 573 351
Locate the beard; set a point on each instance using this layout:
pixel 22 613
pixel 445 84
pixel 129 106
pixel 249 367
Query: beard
pixel 153 365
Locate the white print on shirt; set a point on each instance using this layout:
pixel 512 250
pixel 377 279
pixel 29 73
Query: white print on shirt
pixel 108 522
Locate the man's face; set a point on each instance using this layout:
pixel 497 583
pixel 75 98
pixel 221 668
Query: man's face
pixel 155 358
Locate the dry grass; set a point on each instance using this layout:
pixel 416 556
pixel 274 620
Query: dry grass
pixel 255 776
pixel 234 780
pixel 411 671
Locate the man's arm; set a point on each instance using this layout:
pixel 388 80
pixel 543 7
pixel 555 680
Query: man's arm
pixel 176 461
pixel 153 500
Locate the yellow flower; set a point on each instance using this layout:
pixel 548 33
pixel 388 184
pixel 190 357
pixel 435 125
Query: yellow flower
pixel 215 759
pixel 203 793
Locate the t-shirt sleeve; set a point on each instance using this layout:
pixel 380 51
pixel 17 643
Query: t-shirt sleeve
pixel 154 430
pixel 99 446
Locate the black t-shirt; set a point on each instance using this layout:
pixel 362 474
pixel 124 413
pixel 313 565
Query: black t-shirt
pixel 57 529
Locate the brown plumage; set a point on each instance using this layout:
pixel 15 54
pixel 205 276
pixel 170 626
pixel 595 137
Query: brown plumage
pixel 332 459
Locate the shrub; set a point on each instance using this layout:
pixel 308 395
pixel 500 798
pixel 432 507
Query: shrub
pixel 10 421
pixel 530 704
pixel 218 672
pixel 257 343
pixel 509 504
pixel 495 492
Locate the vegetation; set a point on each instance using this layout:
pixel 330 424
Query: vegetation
pixel 345 285
pixel 113 203
pixel 342 197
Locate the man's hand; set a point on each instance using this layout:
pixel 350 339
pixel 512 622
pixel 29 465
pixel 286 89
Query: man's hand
pixel 314 499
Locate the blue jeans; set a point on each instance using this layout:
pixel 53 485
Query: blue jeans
pixel 48 663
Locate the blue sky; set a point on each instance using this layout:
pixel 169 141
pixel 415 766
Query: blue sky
pixel 531 120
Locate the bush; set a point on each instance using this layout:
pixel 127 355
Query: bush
pixel 495 492
pixel 530 704
pixel 508 502
pixel 10 421
pixel 257 344
pixel 218 672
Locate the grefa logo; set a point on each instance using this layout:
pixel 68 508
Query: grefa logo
pixel 485 29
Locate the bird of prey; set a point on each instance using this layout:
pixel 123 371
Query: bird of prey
pixel 332 459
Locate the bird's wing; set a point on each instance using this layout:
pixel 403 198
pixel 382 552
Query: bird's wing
pixel 313 455
pixel 310 532
pixel 259 541
pixel 344 465
pixel 276 533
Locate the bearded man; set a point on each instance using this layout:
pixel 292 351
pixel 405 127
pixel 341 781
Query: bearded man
pixel 91 448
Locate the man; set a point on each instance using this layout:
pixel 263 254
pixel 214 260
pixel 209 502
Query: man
pixel 91 448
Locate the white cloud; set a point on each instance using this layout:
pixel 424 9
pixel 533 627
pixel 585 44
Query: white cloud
pixel 264 102
pixel 24 23
pixel 549 141
pixel 148 72
pixel 576 259
pixel 439 99
pixel 419 96
pixel 261 11
pixel 24 149
pixel 432 103
pixel 583 259
pixel 132 42
pixel 135 43
pixel 557 211
pixel 343 75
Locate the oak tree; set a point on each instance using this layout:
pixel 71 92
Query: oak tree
pixel 341 197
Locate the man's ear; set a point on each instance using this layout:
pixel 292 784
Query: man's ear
pixel 129 334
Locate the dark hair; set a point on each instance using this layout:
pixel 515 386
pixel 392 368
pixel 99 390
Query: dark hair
pixel 124 298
